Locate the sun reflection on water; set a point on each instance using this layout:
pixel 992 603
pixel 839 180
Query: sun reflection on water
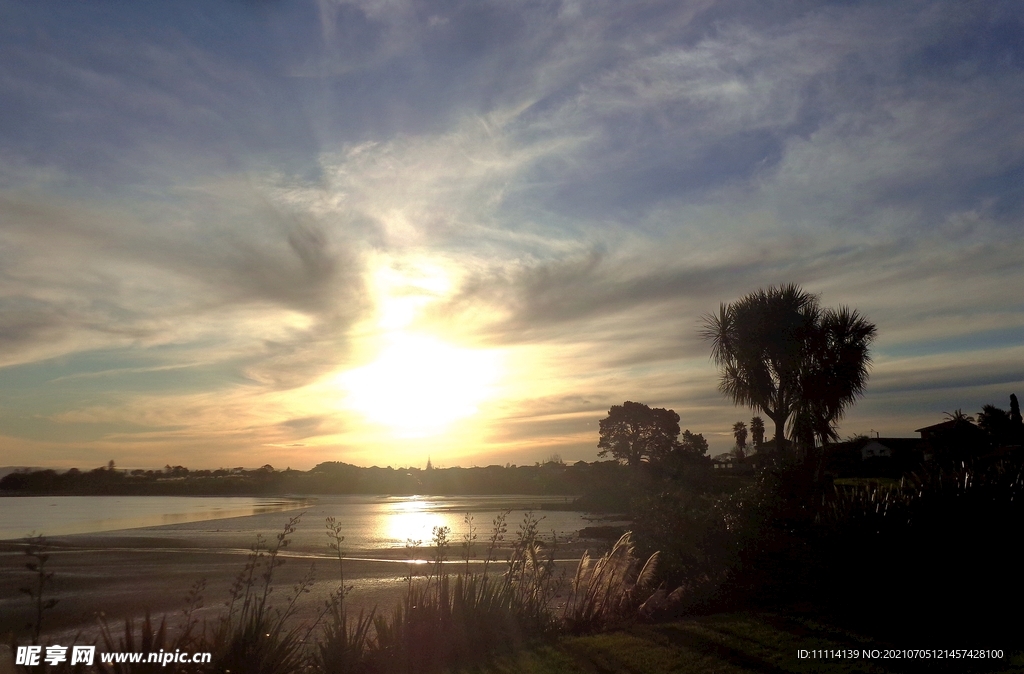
pixel 411 522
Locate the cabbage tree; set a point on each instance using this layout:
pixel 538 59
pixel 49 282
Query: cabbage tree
pixel 781 353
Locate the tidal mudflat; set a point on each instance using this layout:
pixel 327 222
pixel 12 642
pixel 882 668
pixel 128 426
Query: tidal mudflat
pixel 114 574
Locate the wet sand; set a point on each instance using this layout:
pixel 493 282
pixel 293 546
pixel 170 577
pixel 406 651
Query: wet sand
pixel 117 575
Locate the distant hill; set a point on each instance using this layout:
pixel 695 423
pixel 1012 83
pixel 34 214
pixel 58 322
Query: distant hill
pixel 4 470
pixel 326 478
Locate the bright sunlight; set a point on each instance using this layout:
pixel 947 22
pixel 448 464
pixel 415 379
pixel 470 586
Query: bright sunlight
pixel 412 521
pixel 419 385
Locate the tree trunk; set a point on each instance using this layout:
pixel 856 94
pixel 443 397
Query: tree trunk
pixel 821 462
pixel 634 457
pixel 780 432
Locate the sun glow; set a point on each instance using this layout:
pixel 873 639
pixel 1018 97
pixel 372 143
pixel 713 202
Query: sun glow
pixel 419 385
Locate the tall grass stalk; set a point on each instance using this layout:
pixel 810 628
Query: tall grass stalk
pixel 36 549
pixel 342 644
pixel 609 589
pixel 253 636
pixel 151 639
pixel 461 619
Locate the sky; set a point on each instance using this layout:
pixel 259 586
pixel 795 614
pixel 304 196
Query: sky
pixel 238 233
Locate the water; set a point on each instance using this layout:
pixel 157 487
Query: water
pixel 366 522
pixel 63 515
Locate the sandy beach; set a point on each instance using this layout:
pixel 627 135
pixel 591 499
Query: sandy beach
pixel 116 575
pixel 94 580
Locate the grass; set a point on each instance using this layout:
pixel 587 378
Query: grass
pixel 252 635
pixel 610 589
pixel 150 638
pixel 446 619
pixel 866 482
pixel 342 643
pixel 37 555
pixel 464 618
pixel 745 642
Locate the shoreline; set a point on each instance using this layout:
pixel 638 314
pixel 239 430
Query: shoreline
pixel 124 574
pixel 115 584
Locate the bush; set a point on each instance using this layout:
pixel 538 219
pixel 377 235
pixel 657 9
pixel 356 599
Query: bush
pixel 936 548
pixel 900 560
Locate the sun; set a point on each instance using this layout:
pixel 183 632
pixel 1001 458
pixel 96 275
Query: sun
pixel 418 385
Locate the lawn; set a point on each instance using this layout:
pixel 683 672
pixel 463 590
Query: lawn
pixel 726 644
pixel 866 482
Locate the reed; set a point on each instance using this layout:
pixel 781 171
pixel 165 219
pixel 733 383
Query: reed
pixel 36 550
pixel 150 638
pixel 610 589
pixel 343 643
pixel 253 636
pixel 462 619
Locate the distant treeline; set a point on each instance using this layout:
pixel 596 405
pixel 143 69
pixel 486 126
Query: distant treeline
pixel 326 478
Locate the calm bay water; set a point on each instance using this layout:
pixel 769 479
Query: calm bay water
pixel 64 515
pixel 367 522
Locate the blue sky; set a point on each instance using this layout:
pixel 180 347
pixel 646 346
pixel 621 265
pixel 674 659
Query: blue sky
pixel 241 233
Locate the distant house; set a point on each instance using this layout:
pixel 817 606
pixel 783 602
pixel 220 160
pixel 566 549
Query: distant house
pixel 723 459
pixel 728 462
pixel 952 439
pixel 875 449
pixel 909 448
pixel 939 430
pixel 873 457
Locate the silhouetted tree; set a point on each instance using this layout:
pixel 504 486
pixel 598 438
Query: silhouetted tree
pixel 757 432
pixel 996 424
pixel 958 416
pixel 757 342
pixel 739 433
pixel 633 432
pixel 1016 423
pixel 685 459
pixel 781 353
pixel 833 373
pixel 693 446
